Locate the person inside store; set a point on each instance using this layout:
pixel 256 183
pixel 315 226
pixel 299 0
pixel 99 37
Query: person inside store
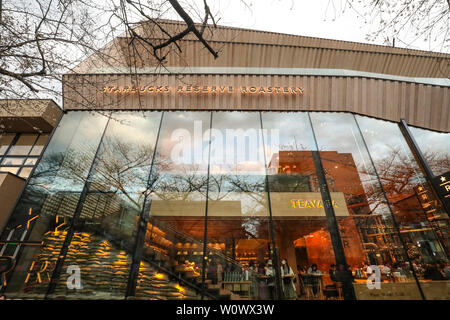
pixel 330 290
pixel 270 273
pixel 301 271
pixel 315 278
pixel 253 276
pixel 212 271
pixel 288 277
pixel 432 272
pixel 399 272
pixel 263 293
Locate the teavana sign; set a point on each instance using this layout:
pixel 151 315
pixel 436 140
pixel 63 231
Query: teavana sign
pixel 153 89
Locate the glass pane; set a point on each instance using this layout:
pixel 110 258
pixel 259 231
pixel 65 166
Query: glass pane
pixel 435 147
pixel 9 169
pixel 172 259
pixel 5 141
pixel 23 144
pixel 39 145
pixel 30 161
pixel 422 221
pixel 104 239
pixel 12 161
pixel 371 242
pixel 239 254
pixel 48 202
pixel 25 172
pixel 299 220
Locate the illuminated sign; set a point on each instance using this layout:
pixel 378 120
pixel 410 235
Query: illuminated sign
pixel 442 184
pixel 283 204
pixel 427 201
pixel 155 89
pixel 313 204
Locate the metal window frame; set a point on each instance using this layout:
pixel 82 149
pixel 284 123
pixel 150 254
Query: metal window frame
pixel 394 220
pixel 76 216
pixel 139 237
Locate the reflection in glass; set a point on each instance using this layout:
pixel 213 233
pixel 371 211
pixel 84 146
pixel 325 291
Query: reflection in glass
pixel 25 172
pixel 238 241
pixel 104 237
pixel 301 230
pixel 12 170
pixel 12 161
pixel 261 165
pixel 39 145
pixel 48 202
pixel 5 141
pixel 365 222
pixel 435 147
pixel 421 219
pixel 23 145
pixel 172 262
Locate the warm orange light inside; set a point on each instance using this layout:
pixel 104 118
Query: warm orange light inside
pixel 179 288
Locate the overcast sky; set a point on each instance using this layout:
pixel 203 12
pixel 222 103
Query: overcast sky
pixel 318 18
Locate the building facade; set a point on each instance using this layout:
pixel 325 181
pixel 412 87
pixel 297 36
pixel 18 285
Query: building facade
pixel 25 126
pixel 195 181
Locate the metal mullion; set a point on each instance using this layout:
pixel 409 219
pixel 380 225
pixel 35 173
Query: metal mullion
pixel 142 226
pixel 333 226
pixel 3 288
pixel 394 221
pixel 11 144
pixel 68 239
pixel 271 228
pixel 428 173
pixel 205 236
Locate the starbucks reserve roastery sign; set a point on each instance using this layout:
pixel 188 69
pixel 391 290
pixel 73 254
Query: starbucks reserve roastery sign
pixel 199 89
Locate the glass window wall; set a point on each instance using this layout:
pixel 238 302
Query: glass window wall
pixel 225 205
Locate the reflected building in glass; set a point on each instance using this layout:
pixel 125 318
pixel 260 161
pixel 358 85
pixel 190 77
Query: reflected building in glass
pixel 249 177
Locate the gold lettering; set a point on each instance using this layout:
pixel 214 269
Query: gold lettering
pixel 293 204
pixel 200 89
